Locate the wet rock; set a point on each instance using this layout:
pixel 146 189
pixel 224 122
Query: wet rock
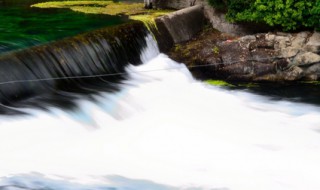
pixel 267 78
pixel 270 37
pixel 248 39
pixel 288 52
pixel 306 59
pixel 295 73
pixel 269 57
pixel 239 69
pixel 263 44
pixel 311 77
pixel 234 52
pixel 299 41
pixel 314 69
pixel 281 64
pixel 282 38
pixel 262 55
pixel 281 42
pixel 313 44
pixel 312 48
pixel 260 69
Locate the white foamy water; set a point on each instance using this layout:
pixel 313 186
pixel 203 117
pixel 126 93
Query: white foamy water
pixel 164 130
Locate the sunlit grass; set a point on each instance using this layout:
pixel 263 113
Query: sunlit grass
pixel 134 11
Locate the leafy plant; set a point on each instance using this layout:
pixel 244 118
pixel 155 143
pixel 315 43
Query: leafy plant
pixel 288 14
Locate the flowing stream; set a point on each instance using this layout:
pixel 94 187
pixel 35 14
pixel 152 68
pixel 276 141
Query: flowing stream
pixel 163 130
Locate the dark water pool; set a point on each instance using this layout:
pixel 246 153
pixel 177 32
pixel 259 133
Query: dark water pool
pixel 22 27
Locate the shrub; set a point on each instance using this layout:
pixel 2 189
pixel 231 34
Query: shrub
pixel 288 14
pixel 218 4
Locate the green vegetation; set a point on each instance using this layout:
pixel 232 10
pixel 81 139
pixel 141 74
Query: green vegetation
pixel 219 83
pixel 287 14
pixel 135 11
pixel 215 50
pixel 311 82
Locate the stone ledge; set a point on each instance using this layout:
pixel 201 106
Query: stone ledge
pixel 179 26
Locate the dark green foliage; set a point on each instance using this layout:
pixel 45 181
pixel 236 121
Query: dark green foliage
pixel 288 14
pixel 237 6
pixel 218 4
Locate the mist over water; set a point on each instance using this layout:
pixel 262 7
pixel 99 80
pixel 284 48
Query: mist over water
pixel 164 130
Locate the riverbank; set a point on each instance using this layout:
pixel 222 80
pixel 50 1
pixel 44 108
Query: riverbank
pixel 262 57
pixel 255 57
pixel 210 54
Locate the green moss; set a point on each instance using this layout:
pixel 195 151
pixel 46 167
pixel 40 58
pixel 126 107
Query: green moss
pixel 135 11
pixel 215 50
pixel 68 4
pixel 177 47
pixel 219 83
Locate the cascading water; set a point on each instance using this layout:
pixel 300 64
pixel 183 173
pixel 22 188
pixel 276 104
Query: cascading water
pixel 59 72
pixel 163 130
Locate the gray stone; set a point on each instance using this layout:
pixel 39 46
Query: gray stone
pixel 313 44
pixel 313 72
pixel 282 38
pixel 282 42
pixel 298 41
pixel 248 38
pixel 312 48
pixel 295 73
pixel 313 69
pixel 314 39
pixel 270 37
pixel 306 59
pixel 288 52
pixel 311 77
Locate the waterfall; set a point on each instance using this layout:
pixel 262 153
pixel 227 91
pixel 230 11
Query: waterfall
pixel 160 130
pixel 58 73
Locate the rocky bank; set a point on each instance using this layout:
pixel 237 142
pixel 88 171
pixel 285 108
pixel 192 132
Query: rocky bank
pixel 260 57
pixel 216 53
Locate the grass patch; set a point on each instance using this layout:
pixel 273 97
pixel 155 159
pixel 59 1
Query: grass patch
pixel 134 11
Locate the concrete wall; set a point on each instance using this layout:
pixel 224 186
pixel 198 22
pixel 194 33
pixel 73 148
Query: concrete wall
pixel 179 26
pixel 216 18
